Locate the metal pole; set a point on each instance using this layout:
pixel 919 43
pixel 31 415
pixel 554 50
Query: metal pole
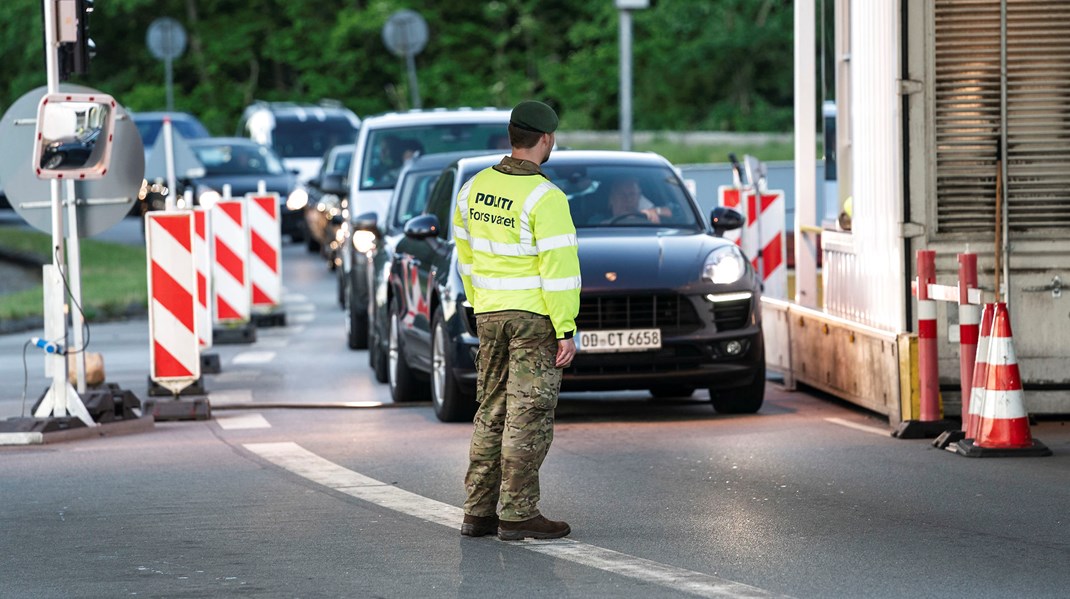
pixel 410 63
pixel 805 156
pixel 625 80
pixel 169 78
pixel 1005 294
pixel 58 364
pixel 169 155
pixel 74 270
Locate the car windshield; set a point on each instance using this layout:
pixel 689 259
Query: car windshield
pixel 149 130
pixel 616 195
pixel 310 138
pixel 238 159
pixel 387 150
pixel 415 187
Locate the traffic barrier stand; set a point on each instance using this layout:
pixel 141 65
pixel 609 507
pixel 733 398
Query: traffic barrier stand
pixel 231 291
pixel 174 355
pixel 1002 423
pixel 265 259
pixel 762 235
pixel 930 422
pixel 202 254
pixel 969 298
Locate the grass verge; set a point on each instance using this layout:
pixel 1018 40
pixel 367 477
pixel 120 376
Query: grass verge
pixel 113 277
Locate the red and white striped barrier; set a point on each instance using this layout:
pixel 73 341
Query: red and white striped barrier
pixel 230 268
pixel 265 255
pixel 175 361
pixel 980 374
pixel 202 256
pixel 762 235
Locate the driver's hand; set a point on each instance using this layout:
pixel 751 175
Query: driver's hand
pixel 652 215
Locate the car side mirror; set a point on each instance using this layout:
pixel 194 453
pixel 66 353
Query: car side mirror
pixel 725 219
pixel 333 184
pixel 74 136
pixel 422 227
pixel 369 221
pixel 337 220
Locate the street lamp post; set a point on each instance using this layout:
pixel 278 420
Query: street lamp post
pixel 625 7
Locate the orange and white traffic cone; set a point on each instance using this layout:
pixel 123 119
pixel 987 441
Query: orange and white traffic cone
pixel 1002 423
pixel 980 372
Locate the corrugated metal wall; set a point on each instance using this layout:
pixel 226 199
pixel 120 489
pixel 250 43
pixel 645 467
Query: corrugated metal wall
pixel 871 280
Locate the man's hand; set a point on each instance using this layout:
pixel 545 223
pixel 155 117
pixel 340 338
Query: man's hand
pixel 566 350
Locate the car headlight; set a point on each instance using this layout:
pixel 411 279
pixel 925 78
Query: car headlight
pixel 363 241
pixel 724 265
pixel 298 199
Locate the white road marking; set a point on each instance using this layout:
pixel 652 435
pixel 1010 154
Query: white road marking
pixel 302 462
pixel 236 396
pixel 301 318
pixel 239 420
pixel 860 427
pixel 254 357
pixel 303 307
pixel 272 342
pixel 295 298
pixel 295 330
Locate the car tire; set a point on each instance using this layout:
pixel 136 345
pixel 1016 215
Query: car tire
pixel 405 385
pixel 312 245
pixel 741 400
pixel 341 289
pixel 377 360
pixel 671 391
pixel 451 403
pixel 356 326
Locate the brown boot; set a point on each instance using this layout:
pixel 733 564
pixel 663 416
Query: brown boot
pixel 479 526
pixel 532 528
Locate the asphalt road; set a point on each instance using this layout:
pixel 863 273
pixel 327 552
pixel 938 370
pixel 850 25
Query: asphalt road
pixel 290 491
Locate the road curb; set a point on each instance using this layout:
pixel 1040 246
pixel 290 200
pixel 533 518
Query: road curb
pixel 107 429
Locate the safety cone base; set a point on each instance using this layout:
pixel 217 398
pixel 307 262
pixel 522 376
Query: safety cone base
pixel 179 408
pixel 923 429
pixel 234 334
pixel 270 319
pixel 210 364
pixel 948 437
pixel 968 448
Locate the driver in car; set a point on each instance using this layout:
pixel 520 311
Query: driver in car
pixel 625 198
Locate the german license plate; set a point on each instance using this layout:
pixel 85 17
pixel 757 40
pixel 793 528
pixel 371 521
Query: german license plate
pixel 618 341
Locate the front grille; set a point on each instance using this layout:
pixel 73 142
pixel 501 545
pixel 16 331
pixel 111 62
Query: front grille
pixel 731 315
pixel 673 314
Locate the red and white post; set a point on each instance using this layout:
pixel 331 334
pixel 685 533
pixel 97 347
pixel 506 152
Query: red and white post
pixel 265 258
pixel 928 358
pixel 231 289
pixel 969 330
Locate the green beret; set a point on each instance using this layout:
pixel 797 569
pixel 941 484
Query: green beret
pixel 534 116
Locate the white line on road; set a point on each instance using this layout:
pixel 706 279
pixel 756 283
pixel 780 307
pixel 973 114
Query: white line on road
pixel 234 396
pixel 302 462
pixel 301 318
pixel 254 357
pixel 237 420
pixel 859 427
pixel 294 298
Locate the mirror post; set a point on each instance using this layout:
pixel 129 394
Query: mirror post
pixel 74 269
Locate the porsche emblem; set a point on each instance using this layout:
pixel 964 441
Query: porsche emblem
pixel 611 276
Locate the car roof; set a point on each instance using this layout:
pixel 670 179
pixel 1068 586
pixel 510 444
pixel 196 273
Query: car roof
pixel 444 159
pixel 438 115
pixel 302 112
pixel 579 158
pixel 219 141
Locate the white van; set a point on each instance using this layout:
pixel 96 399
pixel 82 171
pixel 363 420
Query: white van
pixel 300 133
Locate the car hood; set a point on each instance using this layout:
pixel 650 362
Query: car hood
pixel 620 260
pixel 243 184
pixel 306 168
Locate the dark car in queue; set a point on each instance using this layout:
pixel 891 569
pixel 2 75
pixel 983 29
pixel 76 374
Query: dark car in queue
pixel 408 201
pixel 667 306
pixel 243 164
pixel 323 204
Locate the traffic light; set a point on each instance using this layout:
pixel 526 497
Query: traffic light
pixel 83 47
pixel 75 51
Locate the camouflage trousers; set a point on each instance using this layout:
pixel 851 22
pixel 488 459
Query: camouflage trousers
pixel 516 386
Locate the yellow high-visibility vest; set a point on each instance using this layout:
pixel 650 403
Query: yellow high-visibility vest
pixel 516 247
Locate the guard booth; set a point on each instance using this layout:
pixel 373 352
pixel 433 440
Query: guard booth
pixel 953 135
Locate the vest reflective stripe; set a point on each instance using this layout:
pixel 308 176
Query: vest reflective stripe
pixel 562 284
pixel 499 248
pixel 462 203
pixel 460 234
pixel 529 205
pixel 506 284
pixel 552 243
pixel 466 269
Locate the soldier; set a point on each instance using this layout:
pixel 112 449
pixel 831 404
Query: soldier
pixel 521 273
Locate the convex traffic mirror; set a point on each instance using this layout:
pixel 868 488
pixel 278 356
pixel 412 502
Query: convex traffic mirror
pixel 74 136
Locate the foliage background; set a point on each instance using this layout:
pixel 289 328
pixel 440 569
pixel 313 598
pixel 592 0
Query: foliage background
pixel 698 64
